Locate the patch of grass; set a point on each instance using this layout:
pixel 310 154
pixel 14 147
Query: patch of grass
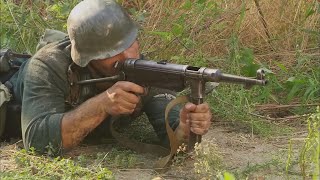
pixel 120 158
pixel 140 129
pixel 235 104
pixel 30 166
pixel 273 168
pixel 269 168
pixel 23 22
pixel 181 156
pixel 310 153
pixel 208 161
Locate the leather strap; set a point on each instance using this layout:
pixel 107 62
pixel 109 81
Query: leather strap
pixel 174 143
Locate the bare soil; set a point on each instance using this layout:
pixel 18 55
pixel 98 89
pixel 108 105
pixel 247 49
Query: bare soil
pixel 244 155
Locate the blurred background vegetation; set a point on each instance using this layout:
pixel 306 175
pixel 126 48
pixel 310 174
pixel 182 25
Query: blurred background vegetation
pixel 281 36
pixel 236 36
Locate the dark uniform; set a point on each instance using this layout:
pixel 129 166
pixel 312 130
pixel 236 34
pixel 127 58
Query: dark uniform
pixel 42 87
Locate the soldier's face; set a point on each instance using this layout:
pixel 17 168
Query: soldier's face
pixel 105 67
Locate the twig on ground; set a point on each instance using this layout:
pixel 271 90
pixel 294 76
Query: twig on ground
pixel 136 170
pixel 256 2
pixel 275 106
pixel 103 158
pixel 280 119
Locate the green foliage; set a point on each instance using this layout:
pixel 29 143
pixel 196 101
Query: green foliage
pixel 228 176
pixel 192 18
pixel 119 158
pixel 263 167
pixel 310 153
pixel 181 156
pixel 43 167
pixel 304 84
pixel 290 156
pixel 208 161
pixel 22 23
pixel 298 84
pixel 236 104
pixel 249 67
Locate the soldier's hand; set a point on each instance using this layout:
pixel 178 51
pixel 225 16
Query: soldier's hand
pixel 122 98
pixel 196 118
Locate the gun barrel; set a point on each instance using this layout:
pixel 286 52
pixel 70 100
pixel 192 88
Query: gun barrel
pixel 215 75
pixel 241 80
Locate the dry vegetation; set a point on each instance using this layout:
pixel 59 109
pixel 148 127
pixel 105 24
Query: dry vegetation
pixel 274 29
pixel 282 36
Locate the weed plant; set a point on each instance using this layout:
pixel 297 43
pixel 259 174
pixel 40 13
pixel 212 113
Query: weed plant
pixel 30 166
pixel 310 153
pixel 208 161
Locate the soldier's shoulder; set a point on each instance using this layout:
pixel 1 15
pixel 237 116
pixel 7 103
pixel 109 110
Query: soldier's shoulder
pixel 53 59
pixel 54 54
pixel 54 50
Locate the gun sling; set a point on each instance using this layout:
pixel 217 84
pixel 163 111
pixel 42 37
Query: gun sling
pixel 151 148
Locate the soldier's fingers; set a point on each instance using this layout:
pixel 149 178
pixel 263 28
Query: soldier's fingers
pixel 119 94
pixel 118 110
pixel 127 105
pixel 132 98
pixel 200 124
pixel 200 116
pixel 199 131
pixel 185 111
pixel 190 107
pixel 202 108
pixel 130 87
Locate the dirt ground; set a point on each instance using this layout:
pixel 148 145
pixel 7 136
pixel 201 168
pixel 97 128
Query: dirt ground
pixel 244 155
pixel 258 158
pixel 248 156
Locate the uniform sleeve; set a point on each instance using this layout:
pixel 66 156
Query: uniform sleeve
pixel 155 110
pixel 43 106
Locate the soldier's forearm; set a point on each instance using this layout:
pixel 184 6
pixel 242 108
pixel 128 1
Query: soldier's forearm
pixel 77 123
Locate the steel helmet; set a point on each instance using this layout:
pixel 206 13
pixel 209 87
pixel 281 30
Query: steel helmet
pixel 99 29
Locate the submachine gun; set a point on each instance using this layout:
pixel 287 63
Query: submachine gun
pixel 176 77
